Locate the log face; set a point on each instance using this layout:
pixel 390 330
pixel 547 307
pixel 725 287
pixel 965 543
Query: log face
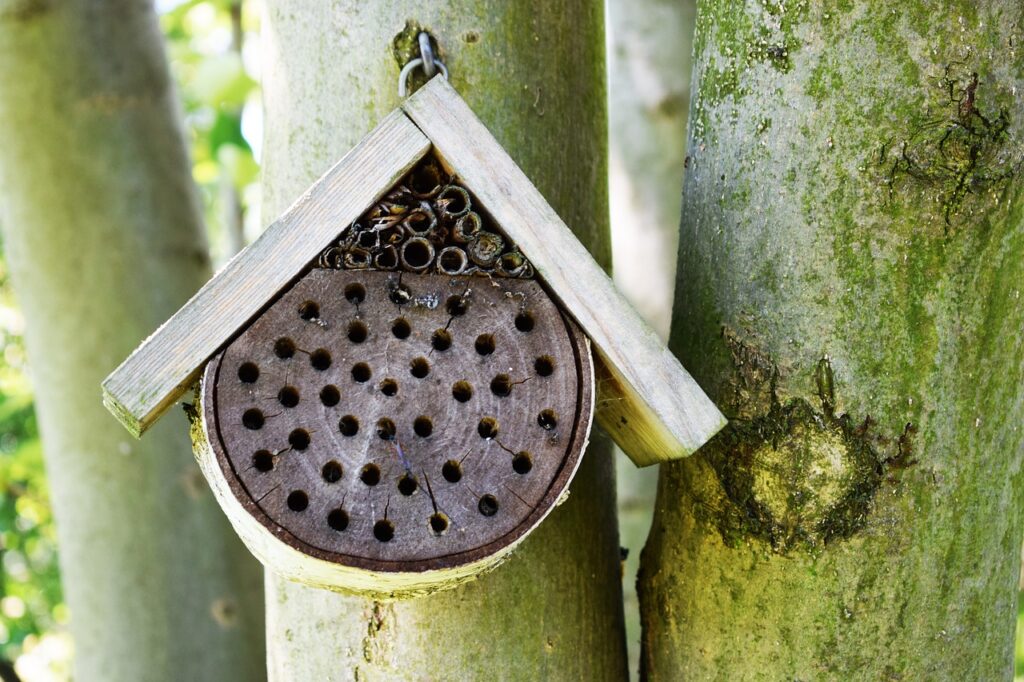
pixel 405 437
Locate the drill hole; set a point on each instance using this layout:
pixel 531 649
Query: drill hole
pixel 355 293
pixel 452 471
pixel 423 426
pixel 309 311
pixel 370 475
pixel 547 419
pixel 385 429
pixel 419 368
pixel 401 328
pixel 501 385
pixel 487 428
pixel 320 359
pixel 400 295
pixel 544 365
pixel 338 519
pixel 248 372
pixel 357 331
pixel 522 463
pixel 284 348
pixel 288 396
pixel 253 419
pixel 484 344
pixel 389 387
pixel 488 505
pixel 524 321
pixel 456 306
pixel 441 340
pixel 407 485
pixel 330 395
pixel 299 439
pixel 348 425
pixel 438 523
pixel 298 501
pixel 384 530
pixel 262 460
pixel 462 391
pixel 332 472
pixel 361 372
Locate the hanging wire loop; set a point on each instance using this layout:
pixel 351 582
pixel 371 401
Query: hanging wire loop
pixel 431 65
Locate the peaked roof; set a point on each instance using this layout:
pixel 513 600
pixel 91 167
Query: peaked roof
pixel 646 401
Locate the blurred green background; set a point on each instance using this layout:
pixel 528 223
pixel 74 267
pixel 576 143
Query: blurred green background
pixel 214 56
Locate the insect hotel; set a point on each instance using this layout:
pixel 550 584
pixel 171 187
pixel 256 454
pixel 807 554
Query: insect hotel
pixel 395 383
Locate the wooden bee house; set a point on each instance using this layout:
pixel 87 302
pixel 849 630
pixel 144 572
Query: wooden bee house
pixel 396 377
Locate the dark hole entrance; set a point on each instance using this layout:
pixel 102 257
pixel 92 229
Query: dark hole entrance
pixel 332 472
pixel 401 328
pixel 451 261
pixel 462 391
pixel 488 427
pixel 357 331
pixel 417 252
pixel 452 471
pixel 522 463
pixel 338 519
pixel 441 340
pixel 488 505
pixel 419 368
pixel 320 359
pixel 348 425
pixel 330 395
pixel 438 523
pixel 384 530
pixel 547 419
pixel 484 344
pixel 501 385
pixel 456 306
pixel 355 293
pixel 408 484
pixel 389 387
pixel 262 460
pixel 524 321
pixel 544 365
pixel 298 500
pixel 288 396
pixel 386 429
pixel 370 475
pixel 309 310
pixel 284 348
pixel 299 439
pixel 248 372
pixel 361 372
pixel 252 419
pixel 423 426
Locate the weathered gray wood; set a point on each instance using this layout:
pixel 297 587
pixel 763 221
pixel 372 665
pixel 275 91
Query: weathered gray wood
pixel 647 401
pixel 169 361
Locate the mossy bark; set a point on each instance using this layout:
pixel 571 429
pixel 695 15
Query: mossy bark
pixel 104 241
pixel 534 73
pixel 851 266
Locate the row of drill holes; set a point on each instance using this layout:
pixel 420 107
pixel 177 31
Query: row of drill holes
pixel 358 332
pixel 248 372
pixel 383 530
pixel 332 472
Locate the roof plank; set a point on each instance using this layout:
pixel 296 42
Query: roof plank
pixel 167 363
pixel 647 402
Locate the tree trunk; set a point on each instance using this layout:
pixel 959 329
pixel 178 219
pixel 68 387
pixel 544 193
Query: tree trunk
pixel 650 43
pixel 850 294
pixel 104 242
pixel 534 73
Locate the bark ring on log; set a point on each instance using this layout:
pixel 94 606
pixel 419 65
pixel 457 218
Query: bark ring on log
pixel 361 445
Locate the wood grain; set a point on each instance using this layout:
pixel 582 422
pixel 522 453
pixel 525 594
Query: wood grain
pixel 170 360
pixel 647 402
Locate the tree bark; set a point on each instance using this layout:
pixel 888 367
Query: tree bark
pixel 534 73
pixel 104 241
pixel 650 44
pixel 850 294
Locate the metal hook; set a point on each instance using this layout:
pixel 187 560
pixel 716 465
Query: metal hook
pixel 427 55
pixel 403 77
